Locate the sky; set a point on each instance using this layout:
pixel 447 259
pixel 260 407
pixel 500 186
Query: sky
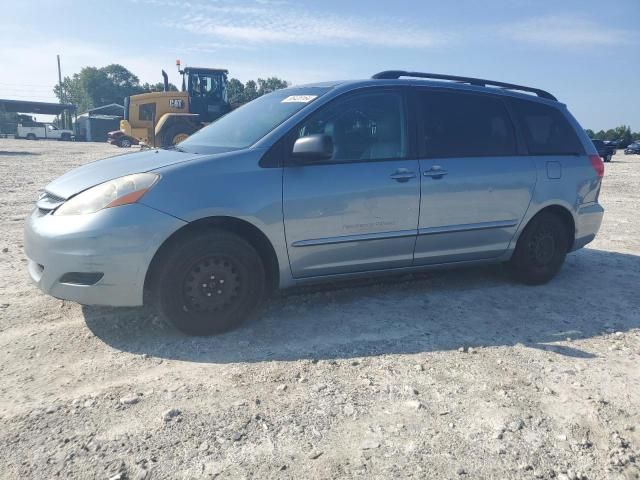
pixel 585 52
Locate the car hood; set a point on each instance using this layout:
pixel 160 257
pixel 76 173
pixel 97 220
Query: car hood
pixel 86 176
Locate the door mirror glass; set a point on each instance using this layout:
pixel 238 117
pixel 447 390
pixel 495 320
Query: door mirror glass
pixel 313 148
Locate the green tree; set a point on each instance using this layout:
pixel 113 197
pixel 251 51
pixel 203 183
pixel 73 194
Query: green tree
pixel 72 91
pixel 271 84
pixel 240 93
pixel 157 87
pixel 235 91
pixel 250 91
pixel 623 132
pixel 94 87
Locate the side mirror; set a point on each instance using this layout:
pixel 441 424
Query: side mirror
pixel 313 148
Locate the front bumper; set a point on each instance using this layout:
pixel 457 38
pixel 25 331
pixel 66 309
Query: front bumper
pixel 588 221
pixel 117 242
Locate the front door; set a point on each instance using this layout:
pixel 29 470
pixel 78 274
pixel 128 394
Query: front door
pixel 357 211
pixel 476 188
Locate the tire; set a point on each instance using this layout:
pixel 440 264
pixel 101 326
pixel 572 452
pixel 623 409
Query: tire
pixel 176 133
pixel 608 158
pixel 65 137
pixel 209 283
pixel 30 136
pixel 541 250
pixel 124 143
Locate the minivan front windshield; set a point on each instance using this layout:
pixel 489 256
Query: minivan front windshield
pixel 247 124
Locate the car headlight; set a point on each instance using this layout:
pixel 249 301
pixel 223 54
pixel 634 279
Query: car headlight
pixel 120 191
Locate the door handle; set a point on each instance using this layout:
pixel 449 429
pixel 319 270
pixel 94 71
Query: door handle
pixel 403 175
pixel 435 172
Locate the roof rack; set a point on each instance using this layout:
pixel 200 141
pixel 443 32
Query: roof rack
pixel 393 74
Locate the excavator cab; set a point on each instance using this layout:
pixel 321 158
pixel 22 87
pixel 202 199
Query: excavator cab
pixel 207 89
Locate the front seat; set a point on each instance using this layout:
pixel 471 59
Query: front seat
pixel 385 142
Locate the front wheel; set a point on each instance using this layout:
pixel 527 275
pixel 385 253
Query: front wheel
pixel 541 250
pixel 608 158
pixel 210 283
pixel 176 134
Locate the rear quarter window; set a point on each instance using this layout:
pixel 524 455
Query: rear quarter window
pixel 546 130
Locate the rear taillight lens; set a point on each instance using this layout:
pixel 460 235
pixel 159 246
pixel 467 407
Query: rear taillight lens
pixel 597 164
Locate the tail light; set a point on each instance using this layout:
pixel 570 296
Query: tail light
pixel 597 164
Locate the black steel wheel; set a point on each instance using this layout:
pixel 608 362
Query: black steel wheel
pixel 541 249
pixel 210 283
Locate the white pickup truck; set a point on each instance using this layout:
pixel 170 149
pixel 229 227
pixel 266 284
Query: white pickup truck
pixel 43 130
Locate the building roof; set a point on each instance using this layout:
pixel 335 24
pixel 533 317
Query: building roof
pixel 111 109
pixel 23 106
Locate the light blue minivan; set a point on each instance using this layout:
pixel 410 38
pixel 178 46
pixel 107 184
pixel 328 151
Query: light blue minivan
pixel 401 172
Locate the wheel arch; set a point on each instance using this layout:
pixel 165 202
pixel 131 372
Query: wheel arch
pixel 252 234
pixel 561 211
pixel 168 120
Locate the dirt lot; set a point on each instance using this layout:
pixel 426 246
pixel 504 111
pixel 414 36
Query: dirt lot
pixel 459 374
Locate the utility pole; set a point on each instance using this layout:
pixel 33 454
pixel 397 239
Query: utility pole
pixel 64 118
pixel 59 72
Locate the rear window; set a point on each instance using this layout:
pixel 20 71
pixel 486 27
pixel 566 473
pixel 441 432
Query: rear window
pixel 464 125
pixel 546 130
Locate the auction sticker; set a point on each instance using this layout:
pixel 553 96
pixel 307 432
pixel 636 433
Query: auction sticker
pixel 299 99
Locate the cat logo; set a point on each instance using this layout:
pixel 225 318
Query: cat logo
pixel 176 103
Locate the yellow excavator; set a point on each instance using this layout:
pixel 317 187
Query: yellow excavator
pixel 163 119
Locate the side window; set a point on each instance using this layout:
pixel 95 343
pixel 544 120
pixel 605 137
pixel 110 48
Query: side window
pixel 546 130
pixel 366 126
pixel 147 111
pixel 464 125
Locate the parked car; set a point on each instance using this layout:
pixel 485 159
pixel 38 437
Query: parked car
pixel 604 150
pixel 398 173
pixel 121 139
pixel 35 131
pixel 633 149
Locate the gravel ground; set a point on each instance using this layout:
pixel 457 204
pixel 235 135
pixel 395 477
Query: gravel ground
pixel 459 374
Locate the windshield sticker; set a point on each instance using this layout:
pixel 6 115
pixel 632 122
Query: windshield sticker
pixel 299 99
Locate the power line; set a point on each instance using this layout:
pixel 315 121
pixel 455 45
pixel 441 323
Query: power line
pixel 27 90
pixel 29 84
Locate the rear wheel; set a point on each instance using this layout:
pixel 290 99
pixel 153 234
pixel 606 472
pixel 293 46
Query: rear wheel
pixel 541 250
pixel 608 158
pixel 30 136
pixel 176 134
pixel 124 142
pixel 210 283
